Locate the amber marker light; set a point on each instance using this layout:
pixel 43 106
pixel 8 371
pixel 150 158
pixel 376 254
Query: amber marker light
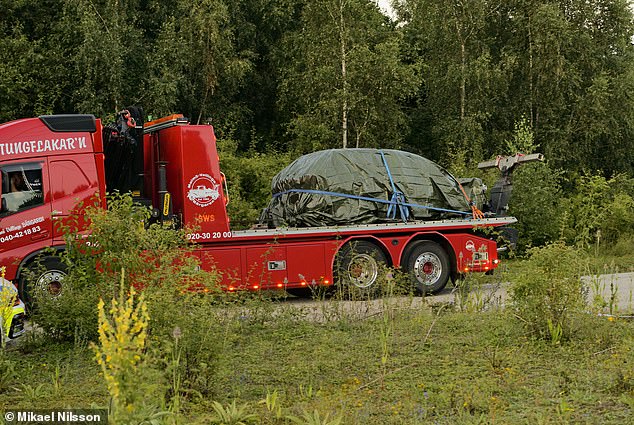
pixel 279 285
pixel 173 117
pixel 256 286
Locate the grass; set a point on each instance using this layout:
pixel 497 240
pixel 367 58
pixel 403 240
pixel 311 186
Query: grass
pixel 604 263
pixel 237 358
pixel 444 367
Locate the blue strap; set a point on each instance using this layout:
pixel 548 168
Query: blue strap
pixel 365 198
pixel 398 197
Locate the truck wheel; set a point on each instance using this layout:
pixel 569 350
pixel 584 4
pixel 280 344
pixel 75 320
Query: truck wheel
pixel 45 275
pixel 360 266
pixel 428 266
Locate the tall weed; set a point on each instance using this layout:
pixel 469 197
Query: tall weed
pixel 547 290
pixel 121 355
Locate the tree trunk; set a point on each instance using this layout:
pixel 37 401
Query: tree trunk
pixel 463 69
pixel 344 78
pixel 530 75
pixel 463 79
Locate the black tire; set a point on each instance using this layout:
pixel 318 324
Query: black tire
pixel 428 265
pixel 45 274
pixel 360 268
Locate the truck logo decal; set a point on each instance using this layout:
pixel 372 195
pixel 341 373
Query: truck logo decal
pixel 470 245
pixel 203 190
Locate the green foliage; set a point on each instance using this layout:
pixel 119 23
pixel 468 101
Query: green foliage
pixel 15 78
pixel 592 211
pixel 181 352
pixel 452 81
pixel 465 79
pixel 523 140
pixel 314 418
pixel 547 291
pixel 105 38
pixel 249 177
pixel 343 78
pixel 600 210
pixel 232 414
pixel 272 404
pixel 446 368
pixel 536 202
pixel 7 372
pixel 487 63
pixel 32 393
pixel 447 80
pixel 155 258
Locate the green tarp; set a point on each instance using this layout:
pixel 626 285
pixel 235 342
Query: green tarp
pixel 299 199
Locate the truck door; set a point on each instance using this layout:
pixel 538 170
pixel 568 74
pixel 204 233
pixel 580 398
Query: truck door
pixel 73 182
pixel 25 212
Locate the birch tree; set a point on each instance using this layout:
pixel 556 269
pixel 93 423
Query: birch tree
pixel 344 77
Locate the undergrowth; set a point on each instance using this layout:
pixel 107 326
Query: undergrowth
pixel 554 353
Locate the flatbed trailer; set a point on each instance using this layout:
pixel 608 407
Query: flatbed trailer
pixel 296 257
pixel 62 161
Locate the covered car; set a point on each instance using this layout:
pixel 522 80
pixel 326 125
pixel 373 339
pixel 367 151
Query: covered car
pixel 362 186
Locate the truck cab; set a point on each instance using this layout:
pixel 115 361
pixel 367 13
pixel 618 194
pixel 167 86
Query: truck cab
pixel 49 167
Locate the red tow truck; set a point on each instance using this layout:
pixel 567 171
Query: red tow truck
pixel 51 163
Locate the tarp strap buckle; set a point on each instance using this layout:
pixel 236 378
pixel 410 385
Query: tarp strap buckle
pixel 397 201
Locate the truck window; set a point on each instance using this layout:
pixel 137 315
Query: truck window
pixel 21 187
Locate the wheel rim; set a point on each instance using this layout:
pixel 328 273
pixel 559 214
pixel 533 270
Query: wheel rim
pixel 427 268
pixel 363 270
pixel 50 282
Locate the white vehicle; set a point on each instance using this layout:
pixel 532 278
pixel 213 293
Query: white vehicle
pixel 202 192
pixel 12 318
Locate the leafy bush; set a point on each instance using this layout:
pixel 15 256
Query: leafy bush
pixel 536 202
pixel 249 178
pixel 156 259
pixel 601 210
pixel 162 265
pixel 546 290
